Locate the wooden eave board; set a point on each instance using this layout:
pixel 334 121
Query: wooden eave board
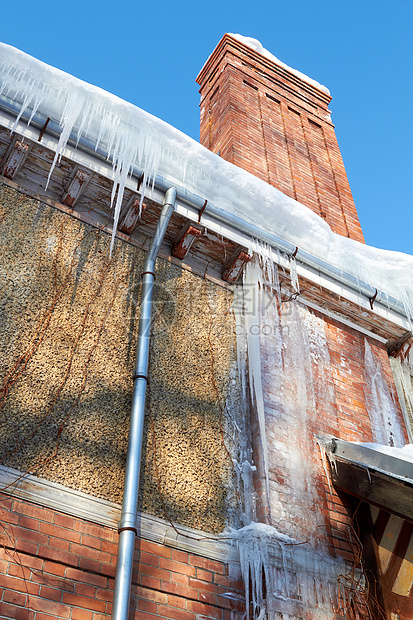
pixel 374 487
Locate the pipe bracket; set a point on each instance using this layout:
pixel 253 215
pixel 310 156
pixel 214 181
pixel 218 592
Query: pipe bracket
pixel 372 299
pixel 138 376
pixel 43 129
pixel 129 529
pixel 292 297
pixel 202 211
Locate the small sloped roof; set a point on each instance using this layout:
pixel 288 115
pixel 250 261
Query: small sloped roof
pixel 380 475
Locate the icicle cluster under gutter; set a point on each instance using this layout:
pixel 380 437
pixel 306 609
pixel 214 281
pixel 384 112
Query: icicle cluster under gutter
pixel 133 138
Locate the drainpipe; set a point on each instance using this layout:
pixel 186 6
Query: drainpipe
pixel 127 525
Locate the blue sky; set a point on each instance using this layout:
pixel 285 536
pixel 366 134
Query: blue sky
pixel 151 53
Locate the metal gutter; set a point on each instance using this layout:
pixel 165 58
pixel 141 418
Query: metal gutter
pixel 252 231
pixel 127 525
pixel 301 256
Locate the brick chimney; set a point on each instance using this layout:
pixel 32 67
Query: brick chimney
pixel 275 123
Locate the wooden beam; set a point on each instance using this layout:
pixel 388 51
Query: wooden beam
pixel 238 260
pixel 131 216
pixel 76 187
pixel 15 157
pixel 185 240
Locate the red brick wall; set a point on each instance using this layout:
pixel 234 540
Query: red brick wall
pixel 346 417
pixel 313 512
pixel 268 121
pixel 56 566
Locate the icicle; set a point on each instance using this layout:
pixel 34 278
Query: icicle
pixel 70 115
pixel 382 411
pixel 324 461
pixel 402 368
pixel 293 275
pixel 82 110
pixel 29 98
pixel 252 281
pixel 248 492
pixel 238 311
pixel 292 576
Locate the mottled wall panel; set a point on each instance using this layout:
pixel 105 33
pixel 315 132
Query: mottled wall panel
pixel 68 341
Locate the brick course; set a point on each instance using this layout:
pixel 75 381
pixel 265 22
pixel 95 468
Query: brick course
pixel 43 582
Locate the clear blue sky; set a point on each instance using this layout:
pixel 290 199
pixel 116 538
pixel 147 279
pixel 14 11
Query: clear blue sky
pixel 150 53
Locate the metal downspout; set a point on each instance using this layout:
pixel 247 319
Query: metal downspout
pixel 127 526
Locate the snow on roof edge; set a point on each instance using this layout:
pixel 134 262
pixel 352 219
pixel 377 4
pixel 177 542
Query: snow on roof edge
pixel 133 137
pixel 405 453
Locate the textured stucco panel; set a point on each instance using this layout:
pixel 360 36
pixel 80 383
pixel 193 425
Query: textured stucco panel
pixel 67 349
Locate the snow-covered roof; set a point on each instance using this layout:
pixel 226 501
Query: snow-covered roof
pixel 133 138
pixel 403 454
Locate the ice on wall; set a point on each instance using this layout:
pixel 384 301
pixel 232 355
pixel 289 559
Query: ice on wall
pixel 286 565
pixel 282 576
pixel 133 137
pixel 287 562
pixel 402 367
pixel 382 410
pixel 247 496
pixel 287 362
pixel 252 309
